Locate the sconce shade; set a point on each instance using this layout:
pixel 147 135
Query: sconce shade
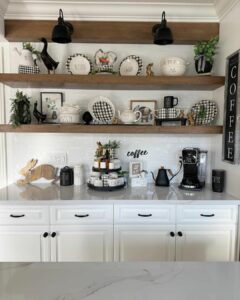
pixel 162 34
pixel 62 31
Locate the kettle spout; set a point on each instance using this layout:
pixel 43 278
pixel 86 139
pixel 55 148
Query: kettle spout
pixel 153 177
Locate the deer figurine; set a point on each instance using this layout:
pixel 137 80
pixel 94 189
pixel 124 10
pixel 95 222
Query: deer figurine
pixel 32 174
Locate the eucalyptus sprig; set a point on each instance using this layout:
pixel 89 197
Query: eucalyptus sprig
pixel 208 49
pixel 112 145
pixel 28 46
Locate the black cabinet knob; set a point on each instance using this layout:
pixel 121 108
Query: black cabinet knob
pixel 45 234
pixel 53 234
pixel 172 234
pixel 180 233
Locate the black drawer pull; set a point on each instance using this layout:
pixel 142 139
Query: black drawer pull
pixel 172 234
pixel 207 216
pixel 145 216
pixel 45 234
pixel 82 216
pixel 17 216
pixel 53 234
pixel 180 233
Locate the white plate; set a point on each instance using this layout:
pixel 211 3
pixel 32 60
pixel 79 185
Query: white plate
pixel 102 110
pixel 79 64
pixel 131 66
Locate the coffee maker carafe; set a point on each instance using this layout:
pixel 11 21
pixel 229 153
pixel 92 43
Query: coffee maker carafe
pixel 194 168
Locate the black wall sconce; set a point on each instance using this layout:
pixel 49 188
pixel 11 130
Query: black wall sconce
pixel 162 34
pixel 62 31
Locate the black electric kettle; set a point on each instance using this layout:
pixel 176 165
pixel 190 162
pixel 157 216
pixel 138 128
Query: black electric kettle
pixel 162 177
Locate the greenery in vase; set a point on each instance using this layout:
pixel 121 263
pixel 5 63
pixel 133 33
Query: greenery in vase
pixel 17 115
pixel 112 145
pixel 28 46
pixel 207 49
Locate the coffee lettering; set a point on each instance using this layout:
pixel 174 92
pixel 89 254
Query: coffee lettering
pixel 231 137
pixel 232 104
pixel 231 121
pixel 233 88
pixel 230 153
pixel 234 72
pixel 137 153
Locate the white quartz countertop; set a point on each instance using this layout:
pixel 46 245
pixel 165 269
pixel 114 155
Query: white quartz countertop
pixel 120 281
pixel 53 194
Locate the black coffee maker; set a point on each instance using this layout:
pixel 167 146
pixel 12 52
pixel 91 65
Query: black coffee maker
pixel 194 169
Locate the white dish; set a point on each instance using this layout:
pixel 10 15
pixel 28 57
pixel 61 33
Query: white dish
pixel 102 110
pixel 175 61
pixel 131 66
pixel 173 70
pixel 79 64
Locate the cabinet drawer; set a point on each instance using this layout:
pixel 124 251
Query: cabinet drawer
pixel 82 214
pixel 24 215
pixel 144 214
pixel 223 214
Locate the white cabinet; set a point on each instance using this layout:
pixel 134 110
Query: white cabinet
pixel 82 233
pixel 93 243
pixel 24 234
pixel 206 233
pixel 144 243
pixel 206 243
pixel 23 245
pixel 144 232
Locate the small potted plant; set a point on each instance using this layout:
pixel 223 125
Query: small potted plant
pixel 204 55
pixel 20 110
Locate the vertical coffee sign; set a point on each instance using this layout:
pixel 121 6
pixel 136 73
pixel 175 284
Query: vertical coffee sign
pixel 231 137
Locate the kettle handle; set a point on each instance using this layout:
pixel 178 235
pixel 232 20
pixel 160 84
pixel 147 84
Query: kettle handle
pixel 170 173
pixel 139 115
pixel 153 177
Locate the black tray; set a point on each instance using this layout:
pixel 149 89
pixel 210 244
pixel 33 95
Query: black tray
pixel 106 188
pixel 182 120
pixel 106 170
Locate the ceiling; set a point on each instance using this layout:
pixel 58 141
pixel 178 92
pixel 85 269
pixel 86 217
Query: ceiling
pixel 126 10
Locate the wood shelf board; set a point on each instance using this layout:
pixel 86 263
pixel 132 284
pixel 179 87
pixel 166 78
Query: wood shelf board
pixel 110 32
pixel 112 82
pixel 117 129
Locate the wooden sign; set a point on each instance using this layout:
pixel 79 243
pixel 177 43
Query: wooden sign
pixel 231 136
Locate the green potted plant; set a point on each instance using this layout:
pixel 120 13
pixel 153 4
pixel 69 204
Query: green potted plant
pixel 20 110
pixel 35 53
pixel 204 55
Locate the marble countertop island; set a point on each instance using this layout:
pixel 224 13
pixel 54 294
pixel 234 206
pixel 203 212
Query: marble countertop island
pixel 120 281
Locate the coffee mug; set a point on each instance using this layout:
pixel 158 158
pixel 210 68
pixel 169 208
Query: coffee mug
pixel 161 113
pixel 171 113
pixel 218 178
pixel 170 101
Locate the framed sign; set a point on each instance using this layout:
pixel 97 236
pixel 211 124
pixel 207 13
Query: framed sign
pixel 231 134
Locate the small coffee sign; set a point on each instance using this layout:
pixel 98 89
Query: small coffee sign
pixel 231 137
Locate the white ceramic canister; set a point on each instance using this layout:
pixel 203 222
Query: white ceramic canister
pixel 78 175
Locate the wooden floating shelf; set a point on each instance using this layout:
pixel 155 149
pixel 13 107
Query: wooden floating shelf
pixel 117 129
pixel 112 82
pixel 184 33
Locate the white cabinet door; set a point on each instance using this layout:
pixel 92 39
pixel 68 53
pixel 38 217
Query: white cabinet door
pixel 24 244
pixel 206 243
pixel 144 243
pixel 90 243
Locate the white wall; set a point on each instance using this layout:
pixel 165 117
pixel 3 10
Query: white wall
pixel 229 42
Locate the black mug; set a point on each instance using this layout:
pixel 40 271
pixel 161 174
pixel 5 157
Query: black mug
pixel 218 178
pixel 66 176
pixel 170 101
